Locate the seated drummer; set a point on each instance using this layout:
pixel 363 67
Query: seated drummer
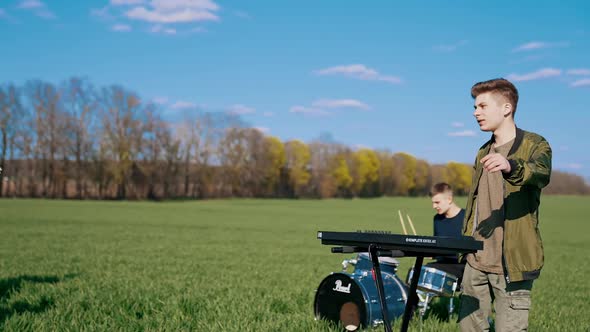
pixel 448 221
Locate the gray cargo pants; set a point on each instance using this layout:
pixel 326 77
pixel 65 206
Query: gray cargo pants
pixel 511 302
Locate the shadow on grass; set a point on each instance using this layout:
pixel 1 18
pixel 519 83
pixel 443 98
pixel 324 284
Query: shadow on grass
pixel 11 286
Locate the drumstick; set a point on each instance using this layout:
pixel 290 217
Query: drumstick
pixel 401 220
pixel 411 224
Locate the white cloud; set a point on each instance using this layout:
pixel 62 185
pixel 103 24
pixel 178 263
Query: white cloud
pixel 31 4
pixel 162 16
pixel 44 13
pixel 319 106
pixel 339 103
pixel 463 133
pixel 582 82
pixel 159 28
pixel 39 8
pixel 121 27
pixel 308 110
pixel 579 71
pixel 184 4
pixel 140 13
pixel 449 47
pixel 126 2
pixel 458 124
pixel 536 75
pixel 183 105
pixel 169 31
pixel 240 109
pixel 175 11
pixel 536 45
pixel 101 12
pixel 359 71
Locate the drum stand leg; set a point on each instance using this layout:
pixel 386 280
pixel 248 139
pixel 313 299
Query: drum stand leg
pixel 451 305
pixel 424 305
pixel 411 298
pixel 373 250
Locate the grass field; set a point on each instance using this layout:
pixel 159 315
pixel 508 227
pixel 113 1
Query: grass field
pixel 230 265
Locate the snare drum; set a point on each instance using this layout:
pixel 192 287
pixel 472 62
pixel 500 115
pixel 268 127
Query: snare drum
pixel 434 281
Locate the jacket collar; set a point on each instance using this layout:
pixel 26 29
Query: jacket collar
pixel 515 145
pixel 517 141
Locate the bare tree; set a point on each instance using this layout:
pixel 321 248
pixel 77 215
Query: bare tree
pixel 122 130
pixel 233 156
pixel 45 100
pixel 151 153
pixel 11 115
pixel 208 151
pixel 172 158
pixel 80 104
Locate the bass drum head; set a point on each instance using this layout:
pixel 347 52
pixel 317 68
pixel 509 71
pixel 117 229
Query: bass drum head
pixel 339 299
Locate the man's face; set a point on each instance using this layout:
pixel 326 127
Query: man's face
pixel 490 111
pixel 441 202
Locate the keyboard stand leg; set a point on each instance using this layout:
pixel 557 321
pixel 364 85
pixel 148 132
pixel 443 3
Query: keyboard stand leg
pixel 373 250
pixel 411 303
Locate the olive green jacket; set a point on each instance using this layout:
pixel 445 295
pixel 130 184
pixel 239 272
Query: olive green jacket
pixel 530 170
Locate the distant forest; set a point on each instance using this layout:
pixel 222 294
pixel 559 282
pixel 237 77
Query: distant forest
pixel 76 140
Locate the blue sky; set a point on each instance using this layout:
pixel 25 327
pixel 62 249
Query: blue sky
pixel 381 74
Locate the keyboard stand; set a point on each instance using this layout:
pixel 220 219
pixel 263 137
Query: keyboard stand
pixel 374 252
pixel 411 301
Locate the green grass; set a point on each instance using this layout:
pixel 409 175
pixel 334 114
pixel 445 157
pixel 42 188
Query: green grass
pixel 230 265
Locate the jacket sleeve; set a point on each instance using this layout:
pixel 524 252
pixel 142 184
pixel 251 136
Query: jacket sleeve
pixel 536 171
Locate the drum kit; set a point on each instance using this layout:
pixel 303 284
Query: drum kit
pixel 351 299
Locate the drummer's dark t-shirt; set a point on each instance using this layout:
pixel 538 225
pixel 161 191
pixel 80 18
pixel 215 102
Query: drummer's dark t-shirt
pixel 451 227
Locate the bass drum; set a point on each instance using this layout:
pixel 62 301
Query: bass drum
pixel 351 300
pixel 364 263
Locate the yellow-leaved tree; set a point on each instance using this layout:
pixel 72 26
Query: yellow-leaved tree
pixel 405 165
pixel 458 175
pixel 365 172
pixel 275 154
pixel 298 157
pixel 341 174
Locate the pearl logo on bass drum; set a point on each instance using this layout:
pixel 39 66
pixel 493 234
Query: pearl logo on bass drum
pixel 340 288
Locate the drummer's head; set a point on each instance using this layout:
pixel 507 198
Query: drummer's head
pixel 442 197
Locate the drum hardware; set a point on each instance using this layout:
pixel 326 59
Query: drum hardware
pixel 432 283
pixel 408 246
pixel 347 262
pixel 424 303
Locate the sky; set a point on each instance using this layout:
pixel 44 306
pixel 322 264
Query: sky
pixel 387 75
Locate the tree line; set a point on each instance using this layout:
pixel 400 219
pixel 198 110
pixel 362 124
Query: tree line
pixel 77 140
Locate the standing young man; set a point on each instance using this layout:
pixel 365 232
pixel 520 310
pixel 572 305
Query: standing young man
pixel 502 211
